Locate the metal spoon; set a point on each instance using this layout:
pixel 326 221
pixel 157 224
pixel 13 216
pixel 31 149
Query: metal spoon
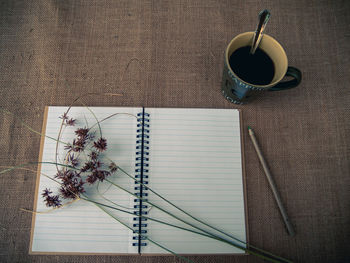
pixel 264 17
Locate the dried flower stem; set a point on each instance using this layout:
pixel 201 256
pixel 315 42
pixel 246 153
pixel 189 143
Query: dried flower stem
pixel 203 230
pixel 108 200
pixel 50 210
pixel 163 210
pixel 146 237
pixel 27 126
pixel 186 213
pixel 196 219
pixel 100 205
pixel 31 163
pixel 93 114
pixel 189 230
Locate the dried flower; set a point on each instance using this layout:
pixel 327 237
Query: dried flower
pixel 88 166
pixel 113 167
pixel 73 160
pixel 97 175
pixel 98 164
pixel 70 122
pixel 102 174
pixel 79 145
pixel 72 189
pixel 76 146
pixel 60 174
pixel 72 184
pixel 82 132
pixel 91 179
pixel 51 200
pixel 46 192
pixel 83 135
pixel 101 144
pixel 69 147
pixel 64 116
pixel 94 155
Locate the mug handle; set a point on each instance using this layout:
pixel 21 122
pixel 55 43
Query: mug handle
pixel 292 72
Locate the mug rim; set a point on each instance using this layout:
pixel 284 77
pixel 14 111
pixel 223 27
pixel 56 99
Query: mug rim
pixel 270 39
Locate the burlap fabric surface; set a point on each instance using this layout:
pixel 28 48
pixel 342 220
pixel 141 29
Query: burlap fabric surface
pixel 170 54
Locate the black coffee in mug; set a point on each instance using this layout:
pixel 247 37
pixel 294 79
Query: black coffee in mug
pixel 246 76
pixel 257 69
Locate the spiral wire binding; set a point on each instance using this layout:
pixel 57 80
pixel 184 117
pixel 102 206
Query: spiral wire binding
pixel 141 174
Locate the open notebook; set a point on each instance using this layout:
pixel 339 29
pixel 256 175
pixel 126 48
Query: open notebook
pixel 190 156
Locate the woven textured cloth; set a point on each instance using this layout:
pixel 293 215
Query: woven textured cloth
pixel 170 54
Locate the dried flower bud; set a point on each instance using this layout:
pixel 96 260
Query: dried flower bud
pixel 61 174
pixel 88 166
pixel 64 116
pixel 113 167
pixel 91 178
pixel 46 192
pixel 69 147
pixel 70 122
pixel 101 144
pixel 93 155
pixel 99 175
pixel 73 160
pixel 51 200
pixel 78 145
pixel 82 132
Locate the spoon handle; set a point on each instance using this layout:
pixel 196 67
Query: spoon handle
pixel 264 17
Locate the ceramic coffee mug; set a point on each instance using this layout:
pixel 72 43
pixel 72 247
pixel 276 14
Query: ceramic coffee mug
pixel 240 91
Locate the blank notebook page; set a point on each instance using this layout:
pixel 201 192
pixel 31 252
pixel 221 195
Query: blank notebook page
pixel 82 227
pixel 195 162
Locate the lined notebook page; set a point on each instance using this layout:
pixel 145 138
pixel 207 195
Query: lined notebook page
pixel 82 227
pixel 195 162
